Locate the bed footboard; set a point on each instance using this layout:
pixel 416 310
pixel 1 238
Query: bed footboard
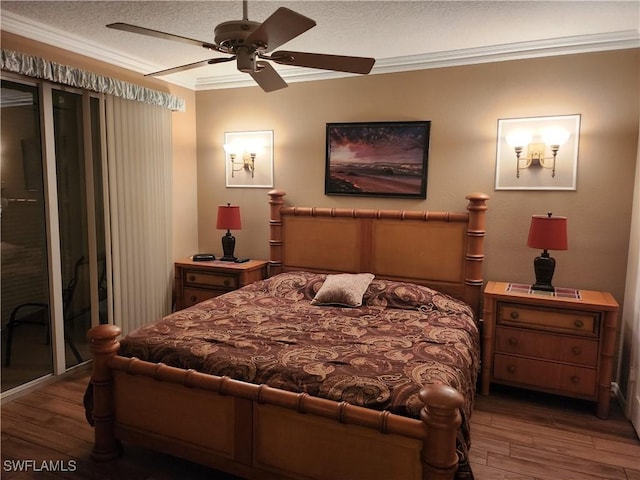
pixel 264 432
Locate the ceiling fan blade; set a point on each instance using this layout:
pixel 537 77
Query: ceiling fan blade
pixel 189 66
pixel 282 26
pixel 267 77
pixel 339 63
pixel 126 27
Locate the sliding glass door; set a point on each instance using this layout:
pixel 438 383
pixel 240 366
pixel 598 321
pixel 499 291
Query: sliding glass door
pixel 26 332
pixel 77 136
pixel 54 284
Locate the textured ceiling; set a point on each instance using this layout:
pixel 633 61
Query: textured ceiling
pixel 401 35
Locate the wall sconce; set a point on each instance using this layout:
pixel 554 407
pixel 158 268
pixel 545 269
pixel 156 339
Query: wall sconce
pixel 249 158
pixel 552 137
pixel 242 157
pixel 548 233
pixel 546 153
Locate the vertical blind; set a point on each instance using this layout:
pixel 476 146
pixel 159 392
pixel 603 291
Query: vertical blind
pixel 139 168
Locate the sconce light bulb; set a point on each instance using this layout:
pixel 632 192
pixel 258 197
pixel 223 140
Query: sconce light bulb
pixel 519 138
pixel 254 147
pixel 555 136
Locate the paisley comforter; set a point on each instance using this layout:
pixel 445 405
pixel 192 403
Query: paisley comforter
pixel 376 356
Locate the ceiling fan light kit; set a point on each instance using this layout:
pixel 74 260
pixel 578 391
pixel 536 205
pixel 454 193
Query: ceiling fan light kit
pixel 249 42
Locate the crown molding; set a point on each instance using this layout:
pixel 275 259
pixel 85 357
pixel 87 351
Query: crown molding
pixel 43 33
pixel 290 75
pixel 513 51
pixel 495 53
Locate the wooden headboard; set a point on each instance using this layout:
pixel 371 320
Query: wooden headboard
pixel 442 250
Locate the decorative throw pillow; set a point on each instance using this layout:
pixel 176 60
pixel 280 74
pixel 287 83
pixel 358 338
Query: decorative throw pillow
pixel 344 289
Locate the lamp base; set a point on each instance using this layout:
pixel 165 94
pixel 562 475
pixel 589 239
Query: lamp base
pixel 544 266
pixel 543 288
pixel 228 246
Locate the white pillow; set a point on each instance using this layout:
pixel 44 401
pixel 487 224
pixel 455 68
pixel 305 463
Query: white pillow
pixel 344 289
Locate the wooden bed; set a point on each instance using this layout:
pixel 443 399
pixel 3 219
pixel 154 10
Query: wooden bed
pixel 261 432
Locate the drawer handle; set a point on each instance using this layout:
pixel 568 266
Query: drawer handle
pixel 579 323
pixel 226 283
pixel 515 315
pixel 192 278
pixel 575 379
pixel 192 298
pixel 511 369
pixel 576 350
pixel 513 341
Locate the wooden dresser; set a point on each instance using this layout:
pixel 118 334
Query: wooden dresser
pixel 199 281
pixel 562 343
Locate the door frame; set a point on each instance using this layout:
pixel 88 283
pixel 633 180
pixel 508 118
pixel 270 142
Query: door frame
pixel 631 310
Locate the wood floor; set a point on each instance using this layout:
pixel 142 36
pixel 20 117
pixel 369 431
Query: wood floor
pixel 516 435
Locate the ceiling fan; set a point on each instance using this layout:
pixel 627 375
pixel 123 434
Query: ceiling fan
pixel 249 43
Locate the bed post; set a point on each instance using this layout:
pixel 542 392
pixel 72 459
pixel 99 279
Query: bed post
pixel 275 232
pixel 441 418
pixel 476 230
pixel 103 347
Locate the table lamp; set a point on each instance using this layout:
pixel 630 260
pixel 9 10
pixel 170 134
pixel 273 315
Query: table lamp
pixel 548 233
pixel 228 219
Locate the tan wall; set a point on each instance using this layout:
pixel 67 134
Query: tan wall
pixel 463 104
pixel 184 133
pixel 185 199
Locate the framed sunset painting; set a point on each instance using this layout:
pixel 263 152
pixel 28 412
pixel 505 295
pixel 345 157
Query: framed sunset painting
pixel 379 159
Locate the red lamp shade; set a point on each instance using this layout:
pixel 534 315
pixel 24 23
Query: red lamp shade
pixel 548 233
pixel 229 217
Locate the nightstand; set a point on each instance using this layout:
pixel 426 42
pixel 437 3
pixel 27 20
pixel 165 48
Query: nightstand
pixel 199 281
pixel 561 343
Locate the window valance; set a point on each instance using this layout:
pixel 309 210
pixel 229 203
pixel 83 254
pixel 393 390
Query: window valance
pixel 37 67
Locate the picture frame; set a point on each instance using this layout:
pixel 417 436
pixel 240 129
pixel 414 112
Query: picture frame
pixel 249 159
pixel 537 168
pixel 377 159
